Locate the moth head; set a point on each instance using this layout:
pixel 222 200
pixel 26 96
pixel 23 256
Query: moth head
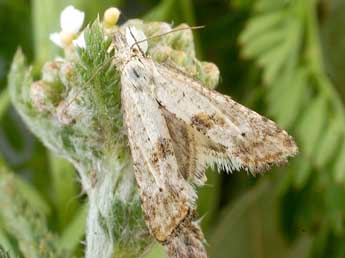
pixel 129 43
pixel 136 40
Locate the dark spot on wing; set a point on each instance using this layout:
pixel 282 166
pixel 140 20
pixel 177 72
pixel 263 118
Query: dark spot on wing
pixel 136 73
pixel 204 122
pixel 163 149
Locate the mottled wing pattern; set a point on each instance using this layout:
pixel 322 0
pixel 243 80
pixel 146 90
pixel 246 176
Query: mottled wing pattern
pixel 251 141
pixel 194 151
pixel 176 127
pixel 167 198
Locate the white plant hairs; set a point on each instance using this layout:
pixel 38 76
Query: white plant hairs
pixel 176 128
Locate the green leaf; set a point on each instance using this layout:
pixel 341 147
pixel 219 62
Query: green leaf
pixel 6 243
pixel 19 80
pixel 339 168
pixel 329 143
pixel 334 198
pixel 28 191
pixel 64 189
pixel 235 225
pixel 320 241
pixel 260 25
pixel 276 91
pixel 263 43
pixel 302 170
pixel 73 233
pixel 32 196
pixel 27 225
pixel 249 228
pixel 280 54
pixel 311 125
pixel 287 102
pixel 4 253
pixel 288 53
pixel 273 62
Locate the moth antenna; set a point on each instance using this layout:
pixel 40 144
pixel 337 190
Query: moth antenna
pixel 87 82
pixel 165 33
pixel 136 42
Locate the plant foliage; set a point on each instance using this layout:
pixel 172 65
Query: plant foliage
pixel 283 38
pixel 271 54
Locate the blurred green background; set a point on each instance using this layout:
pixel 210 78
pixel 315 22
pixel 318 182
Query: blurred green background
pixel 282 58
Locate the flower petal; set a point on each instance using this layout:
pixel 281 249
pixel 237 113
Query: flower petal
pixel 71 19
pixel 134 35
pixel 55 37
pixel 80 41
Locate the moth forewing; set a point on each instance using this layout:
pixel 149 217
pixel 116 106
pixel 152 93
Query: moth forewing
pixel 250 141
pixel 165 195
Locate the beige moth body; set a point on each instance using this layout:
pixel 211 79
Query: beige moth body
pixel 176 128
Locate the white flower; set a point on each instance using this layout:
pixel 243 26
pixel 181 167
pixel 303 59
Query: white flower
pixel 80 41
pixel 134 35
pixel 71 20
pixel 55 37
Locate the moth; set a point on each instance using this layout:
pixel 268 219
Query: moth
pixel 176 128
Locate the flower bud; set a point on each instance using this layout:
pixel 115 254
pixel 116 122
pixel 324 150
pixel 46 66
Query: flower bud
pixel 40 94
pixel 111 16
pixel 50 72
pixel 67 112
pixel 209 74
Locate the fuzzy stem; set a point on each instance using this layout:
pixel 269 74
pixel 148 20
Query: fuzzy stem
pixel 114 213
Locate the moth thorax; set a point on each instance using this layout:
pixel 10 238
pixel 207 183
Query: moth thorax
pixel 122 56
pixel 135 73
